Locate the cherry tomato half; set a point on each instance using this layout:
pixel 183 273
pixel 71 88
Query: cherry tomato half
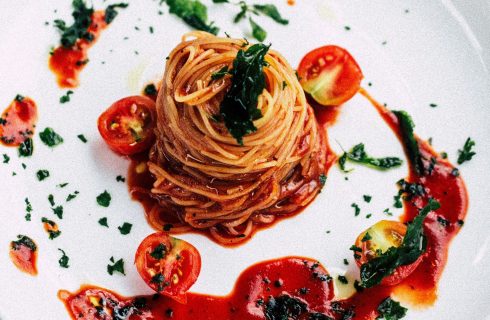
pixel 382 236
pixel 127 126
pixel 170 266
pixel 330 75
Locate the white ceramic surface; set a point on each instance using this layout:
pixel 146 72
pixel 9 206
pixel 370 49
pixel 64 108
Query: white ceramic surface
pixel 414 53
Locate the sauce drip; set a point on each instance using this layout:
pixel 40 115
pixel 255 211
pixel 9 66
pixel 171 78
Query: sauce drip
pixel 23 254
pixel 18 121
pixel 67 63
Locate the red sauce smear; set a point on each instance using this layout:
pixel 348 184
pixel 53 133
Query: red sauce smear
pixel 293 280
pixel 23 254
pixel 18 121
pixel 67 63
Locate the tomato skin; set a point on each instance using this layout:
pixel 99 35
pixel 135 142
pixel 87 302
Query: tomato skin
pixel 330 75
pixel 127 125
pixel 393 231
pixel 176 268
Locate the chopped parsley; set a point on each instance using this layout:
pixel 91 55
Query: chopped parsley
pixel 6 158
pixel 82 16
pixel 51 228
pixel 410 190
pixel 220 73
pixel 410 143
pixel 26 148
pixel 72 196
pixel 50 138
pixel 397 201
pixel 357 210
pixel 103 222
pixel 117 266
pixel 125 228
pixel 159 252
pixel 413 245
pixel 120 179
pixel 432 105
pixel 51 200
pixel 258 32
pixel 150 90
pixel 63 261
pixel 42 174
pixel 239 106
pixel 111 13
pixel 82 138
pixel 58 211
pixel 466 154
pixel 342 279
pixel 367 198
pixel 359 155
pixel 104 199
pixel 322 179
pixel 62 185
pixel 390 309
pixel 28 209
pixel 23 241
pixel 366 237
pixel 66 98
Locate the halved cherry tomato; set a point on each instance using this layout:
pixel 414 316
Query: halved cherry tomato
pixel 127 126
pixel 382 236
pixel 330 75
pixel 170 266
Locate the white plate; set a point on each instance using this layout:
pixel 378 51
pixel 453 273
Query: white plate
pixel 437 52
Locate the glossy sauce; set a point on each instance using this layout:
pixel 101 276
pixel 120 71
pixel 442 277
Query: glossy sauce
pixel 300 278
pixel 67 63
pixel 23 256
pixel 18 121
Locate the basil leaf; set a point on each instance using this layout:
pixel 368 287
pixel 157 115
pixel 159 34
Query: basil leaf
pixel 271 11
pixel 192 12
pixel 410 143
pixel 257 31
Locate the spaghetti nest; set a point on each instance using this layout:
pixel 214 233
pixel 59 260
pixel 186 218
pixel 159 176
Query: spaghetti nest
pixel 204 179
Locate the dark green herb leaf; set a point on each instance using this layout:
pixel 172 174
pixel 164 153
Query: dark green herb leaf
pixel 26 148
pixel 413 245
pixel 257 31
pixel 66 97
pixel 120 179
pixel 23 241
pixel 220 74
pixel 159 252
pixel 103 222
pixel 63 261
pixel 410 190
pixel 42 174
pixel 466 154
pixel 366 237
pixel 270 10
pixel 6 158
pixel 52 233
pixel 357 210
pixel 50 138
pixel 410 143
pixel 343 279
pixel 322 179
pixel 359 155
pixel 82 138
pixel 28 209
pixel 125 228
pixel 82 16
pixel 220 1
pixel 51 199
pixel 19 98
pixel 104 199
pixel 150 90
pixel 58 211
pixel 117 266
pixel 367 198
pixel 239 106
pixel 72 196
pixel 391 310
pixel 111 13
pixel 243 12
pixel 192 12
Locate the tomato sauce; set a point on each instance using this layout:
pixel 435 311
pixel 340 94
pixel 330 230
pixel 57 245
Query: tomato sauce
pixel 67 63
pixel 23 254
pixel 293 283
pixel 18 121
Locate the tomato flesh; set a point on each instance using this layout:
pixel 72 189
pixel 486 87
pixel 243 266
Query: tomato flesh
pixel 18 121
pixel 127 125
pixel 383 235
pixel 330 75
pixel 168 265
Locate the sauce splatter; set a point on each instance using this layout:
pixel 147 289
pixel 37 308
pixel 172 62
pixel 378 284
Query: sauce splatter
pixel 23 253
pixel 297 286
pixel 67 63
pixel 18 121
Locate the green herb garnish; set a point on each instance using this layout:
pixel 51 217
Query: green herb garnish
pixel 322 179
pixel 271 11
pixel 82 16
pixel 23 241
pixel 466 154
pixel 239 106
pixel 192 12
pixel 50 138
pixel 58 211
pixel 390 309
pixel 359 155
pixel 111 12
pixel 52 233
pixel 104 199
pixel 66 98
pixel 103 222
pixel 82 138
pixel 120 178
pixel 410 143
pixel 357 210
pixel 117 266
pixel 343 279
pixel 28 209
pixel 150 90
pixel 63 261
pixel 42 174
pixel 6 158
pixel 72 196
pixel 258 32
pixel 220 74
pixel 367 198
pixel 413 246
pixel 26 148
pixel 125 228
pixel 159 252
